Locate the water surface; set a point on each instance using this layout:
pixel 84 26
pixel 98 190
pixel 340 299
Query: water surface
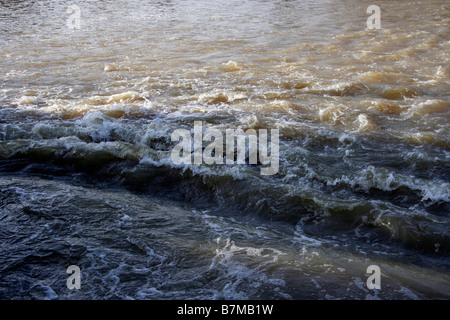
pixel 86 176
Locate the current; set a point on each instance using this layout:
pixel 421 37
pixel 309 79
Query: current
pixel 86 176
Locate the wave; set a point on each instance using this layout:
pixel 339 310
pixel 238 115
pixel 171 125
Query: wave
pixel 241 189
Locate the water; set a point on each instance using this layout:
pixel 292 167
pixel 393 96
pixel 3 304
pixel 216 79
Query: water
pixel 86 176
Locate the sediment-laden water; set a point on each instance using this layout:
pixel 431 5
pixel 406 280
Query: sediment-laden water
pixel 87 178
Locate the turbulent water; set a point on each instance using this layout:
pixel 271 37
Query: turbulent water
pixel 87 179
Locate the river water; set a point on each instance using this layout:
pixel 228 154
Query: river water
pixel 87 179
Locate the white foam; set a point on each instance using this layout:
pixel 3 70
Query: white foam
pixel 237 172
pixel 218 96
pixel 347 138
pixel 433 191
pixel 233 66
pixel 28 100
pixel 234 272
pixel 429 106
pixel 306 241
pixel 126 218
pixel 365 123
